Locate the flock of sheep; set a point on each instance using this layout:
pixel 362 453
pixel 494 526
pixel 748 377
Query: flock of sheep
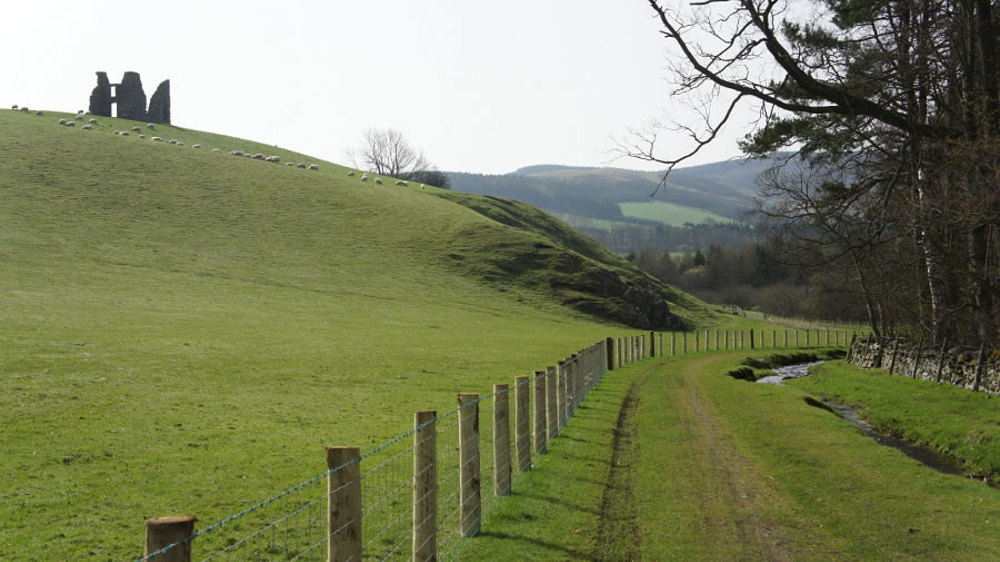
pixel 137 129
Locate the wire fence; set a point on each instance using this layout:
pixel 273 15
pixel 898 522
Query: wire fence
pixel 424 492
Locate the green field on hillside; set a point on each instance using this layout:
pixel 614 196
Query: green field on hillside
pixel 669 213
pixel 185 330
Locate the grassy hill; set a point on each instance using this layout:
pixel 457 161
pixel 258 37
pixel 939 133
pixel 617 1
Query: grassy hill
pixel 184 330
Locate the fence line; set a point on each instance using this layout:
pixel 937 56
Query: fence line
pixel 420 494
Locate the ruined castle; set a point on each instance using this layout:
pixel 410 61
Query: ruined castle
pixel 131 99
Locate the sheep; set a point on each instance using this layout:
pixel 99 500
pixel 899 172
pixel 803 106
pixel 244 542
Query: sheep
pixel 87 127
pixel 300 165
pixel 273 159
pixel 14 107
pixel 350 174
pixel 216 150
pixel 137 128
pixel 93 121
pixel 158 139
pixel 150 125
pixel 39 113
pixel 247 155
pixel 402 183
pixel 62 121
pixel 421 186
pixel 79 112
pixel 289 163
pixel 123 133
pixel 378 181
pixel 70 123
pixel 78 117
pixel 364 177
pixel 173 141
pixel 142 137
pixel 258 156
pixel 179 143
pixel 236 153
pixel 195 146
pixel 314 166
pixel 25 109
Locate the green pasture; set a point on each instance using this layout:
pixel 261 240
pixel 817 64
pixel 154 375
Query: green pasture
pixel 668 213
pixel 184 331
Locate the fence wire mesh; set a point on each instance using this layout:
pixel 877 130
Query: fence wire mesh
pixel 296 523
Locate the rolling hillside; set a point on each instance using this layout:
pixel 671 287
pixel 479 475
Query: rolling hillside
pixel 184 330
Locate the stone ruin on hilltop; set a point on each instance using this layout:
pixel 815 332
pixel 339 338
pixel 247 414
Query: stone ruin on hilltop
pixel 131 99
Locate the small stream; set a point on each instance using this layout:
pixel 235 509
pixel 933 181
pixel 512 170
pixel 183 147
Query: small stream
pixel 926 455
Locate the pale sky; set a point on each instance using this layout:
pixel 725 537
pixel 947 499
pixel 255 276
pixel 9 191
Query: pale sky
pixel 482 87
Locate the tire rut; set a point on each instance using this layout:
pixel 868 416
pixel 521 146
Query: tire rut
pixel 618 536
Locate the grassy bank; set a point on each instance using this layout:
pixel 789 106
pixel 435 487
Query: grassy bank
pixel 953 420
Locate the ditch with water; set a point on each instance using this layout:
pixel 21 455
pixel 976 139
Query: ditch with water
pixel 926 455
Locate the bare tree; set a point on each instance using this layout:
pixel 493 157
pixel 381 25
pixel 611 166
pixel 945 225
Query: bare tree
pixel 387 152
pixel 904 93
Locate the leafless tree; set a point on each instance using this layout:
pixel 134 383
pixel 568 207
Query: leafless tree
pixel 387 152
pixel 903 94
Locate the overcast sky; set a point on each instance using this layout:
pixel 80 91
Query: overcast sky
pixel 480 86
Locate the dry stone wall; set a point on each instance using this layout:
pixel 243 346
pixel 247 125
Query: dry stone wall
pixel 959 366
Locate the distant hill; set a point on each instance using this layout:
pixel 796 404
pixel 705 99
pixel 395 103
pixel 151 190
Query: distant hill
pixel 719 191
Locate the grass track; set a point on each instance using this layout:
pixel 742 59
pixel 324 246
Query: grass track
pixel 729 470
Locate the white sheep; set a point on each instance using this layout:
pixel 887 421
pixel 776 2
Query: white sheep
pixel 39 113
pixel 289 163
pixel 195 146
pixel 314 166
pixel 258 156
pixel 79 112
pixel 93 121
pixel 123 133
pixel 179 143
pixel 273 159
pixel 158 139
pixel 378 181
pixel 216 150
pixel 142 136
pixel 421 186
pixel 300 165
pixel 402 183
pixel 236 153
pixel 87 127
pixel 62 121
pixel 150 125
pixel 364 177
pixel 78 117
pixel 25 109
pixel 350 174
pixel 14 106
pixel 137 128
pixel 173 141
pixel 71 123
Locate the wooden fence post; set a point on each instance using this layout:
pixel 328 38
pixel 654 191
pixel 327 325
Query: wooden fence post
pixel 609 349
pixel 162 532
pixel 344 503
pixel 697 341
pixel 940 368
pixel 895 349
pixel 425 485
pixel 551 402
pixel 743 343
pixel 786 339
pixel 501 440
pixel 575 383
pixel 522 422
pixel 774 339
pixel 979 368
pixel 652 343
pixel 717 340
pixel 796 337
pixel 685 336
pixel 661 345
pixel 470 504
pixel 540 430
pixel 673 343
pixel 751 338
pixel 563 404
pixel 916 358
pixel 621 352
